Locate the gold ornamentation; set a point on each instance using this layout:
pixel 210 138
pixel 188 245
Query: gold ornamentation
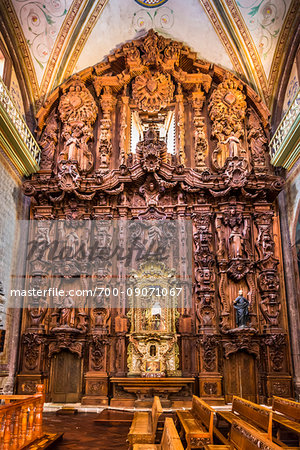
pixel 153 342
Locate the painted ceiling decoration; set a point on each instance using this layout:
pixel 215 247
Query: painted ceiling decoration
pixel 151 3
pixel 57 38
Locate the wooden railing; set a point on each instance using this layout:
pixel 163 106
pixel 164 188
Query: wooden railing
pixel 21 419
pixel 19 122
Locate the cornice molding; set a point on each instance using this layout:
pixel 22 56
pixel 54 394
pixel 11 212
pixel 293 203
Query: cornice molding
pixel 9 15
pixel 285 39
pixel 81 41
pixel 285 144
pixel 15 137
pixel 245 39
pixel 62 40
pixel 223 36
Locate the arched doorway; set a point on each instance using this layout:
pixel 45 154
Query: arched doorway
pixel 65 377
pixel 240 376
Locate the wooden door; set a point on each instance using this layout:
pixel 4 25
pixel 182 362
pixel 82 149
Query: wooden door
pixel 66 378
pixel 240 377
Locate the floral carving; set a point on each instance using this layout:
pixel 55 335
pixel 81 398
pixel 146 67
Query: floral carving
pixel 153 91
pixel 31 342
pixel 98 352
pixel 91 169
pixel 209 346
pixel 277 348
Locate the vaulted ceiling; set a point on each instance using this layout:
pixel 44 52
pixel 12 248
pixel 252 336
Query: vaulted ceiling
pixel 56 38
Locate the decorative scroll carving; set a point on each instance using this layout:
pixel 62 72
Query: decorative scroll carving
pixel 244 341
pixel 153 91
pixel 107 102
pixel 228 111
pixel 181 125
pixel 277 350
pixel 65 341
pixel 209 347
pixel 32 343
pixel 98 352
pixel 222 181
pixel 200 141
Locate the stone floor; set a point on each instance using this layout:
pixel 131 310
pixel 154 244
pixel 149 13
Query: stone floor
pixel 81 433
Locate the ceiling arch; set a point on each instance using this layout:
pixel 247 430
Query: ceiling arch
pixel 60 37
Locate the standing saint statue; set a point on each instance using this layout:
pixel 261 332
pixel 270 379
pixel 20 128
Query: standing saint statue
pixel 241 305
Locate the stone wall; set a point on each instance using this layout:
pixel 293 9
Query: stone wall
pixel 13 208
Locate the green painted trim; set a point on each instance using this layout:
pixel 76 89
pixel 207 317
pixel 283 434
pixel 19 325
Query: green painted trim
pixel 237 43
pixel 14 146
pixel 293 158
pixel 289 147
pixel 73 38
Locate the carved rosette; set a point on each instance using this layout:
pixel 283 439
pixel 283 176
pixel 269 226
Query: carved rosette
pixel 98 352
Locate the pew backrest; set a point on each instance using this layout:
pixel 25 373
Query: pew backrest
pixel 288 408
pixel 156 412
pixel 243 437
pixel 170 438
pixel 257 415
pixel 204 414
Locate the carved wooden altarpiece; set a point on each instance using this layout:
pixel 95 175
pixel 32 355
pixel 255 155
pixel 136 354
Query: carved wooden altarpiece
pixel 218 175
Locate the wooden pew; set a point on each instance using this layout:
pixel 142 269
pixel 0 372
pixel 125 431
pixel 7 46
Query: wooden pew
pixel 245 437
pixel 197 423
pixel 253 414
pixel 286 413
pixel 144 424
pixel 170 439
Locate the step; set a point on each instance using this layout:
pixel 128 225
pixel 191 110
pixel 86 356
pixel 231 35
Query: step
pixel 45 441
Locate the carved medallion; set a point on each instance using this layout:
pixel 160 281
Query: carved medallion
pixel 77 103
pixel 153 91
